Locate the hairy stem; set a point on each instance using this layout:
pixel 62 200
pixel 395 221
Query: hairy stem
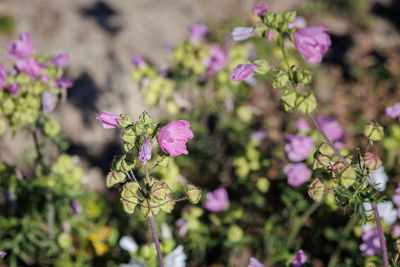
pixel 155 236
pixel 381 235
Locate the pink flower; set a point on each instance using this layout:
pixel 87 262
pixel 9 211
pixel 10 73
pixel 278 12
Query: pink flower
pixel 109 120
pixel 138 61
pixel 332 129
pixel 172 137
pixel 183 226
pixel 259 10
pixel 255 263
pixel 145 152
pixel 3 254
pixel 270 35
pixel 299 147
pixel 48 102
pixel 22 48
pixel 45 78
pixel 297 174
pixel 215 62
pixel 64 83
pixel 242 71
pixel 30 66
pixel 302 124
pixel 217 200
pixel 242 33
pixel 198 31
pixel 60 60
pixel 3 76
pixel 259 135
pixel 371 244
pixel 312 42
pixel 300 259
pixel 299 22
pixel 392 111
pixel 396 230
pixel 13 88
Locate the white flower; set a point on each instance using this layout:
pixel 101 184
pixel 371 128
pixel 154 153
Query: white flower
pixel 176 258
pixel 165 231
pixel 386 210
pixel 380 178
pixel 128 244
pixel 133 263
pixel 366 227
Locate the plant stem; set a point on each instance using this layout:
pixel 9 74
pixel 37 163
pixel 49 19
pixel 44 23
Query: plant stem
pixel 285 58
pixel 346 232
pixel 302 221
pixel 155 236
pixel 381 235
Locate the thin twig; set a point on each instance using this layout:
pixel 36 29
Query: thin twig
pixel 156 241
pixel 381 236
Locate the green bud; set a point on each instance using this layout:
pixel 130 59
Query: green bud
pixel 8 106
pixel 235 233
pixel 372 161
pixel 193 193
pixel 129 191
pixel 277 22
pixel 280 79
pixel 260 29
pixel 321 162
pixel 129 136
pixel 288 99
pixel 325 149
pixel 289 16
pixel 145 118
pixel 268 17
pixel 114 178
pixel 51 128
pixel 316 190
pixel 160 191
pixel 263 184
pixel 373 131
pixel 125 121
pixel 128 146
pixel 123 163
pixel 128 206
pixel 307 77
pixel 168 205
pixel 348 177
pixel 149 208
pixel 3 126
pixel 306 104
pixel 262 66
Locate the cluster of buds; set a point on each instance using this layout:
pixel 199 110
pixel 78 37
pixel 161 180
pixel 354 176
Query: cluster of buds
pixel 150 194
pixel 32 89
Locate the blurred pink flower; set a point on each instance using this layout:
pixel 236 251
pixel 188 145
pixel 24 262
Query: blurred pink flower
pixel 242 71
pixel 198 31
pixel 145 152
pixel 255 263
pixel 259 10
pixel 312 42
pixel 217 200
pixel 299 22
pixel 172 137
pixel 299 147
pixel 3 76
pixel 393 111
pixel 300 259
pixel 183 226
pixel 270 35
pixel 331 128
pixel 60 60
pixel 216 62
pixel 13 88
pixel 371 244
pixel 242 33
pixel 396 230
pixel 64 83
pixel 48 102
pixel 297 174
pixel 22 48
pixel 45 78
pixel 109 120
pixel 302 124
pixel 138 61
pixel 30 66
pixel 3 254
pixel 259 135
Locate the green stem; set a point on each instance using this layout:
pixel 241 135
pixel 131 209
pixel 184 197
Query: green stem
pixel 50 213
pixel 346 232
pixel 302 221
pixel 285 57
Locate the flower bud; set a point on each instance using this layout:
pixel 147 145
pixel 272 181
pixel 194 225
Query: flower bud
pixel 263 184
pixel 150 208
pixel 129 191
pixel 372 161
pixel 346 174
pixel 128 205
pixel 288 99
pixel 373 131
pixel 114 178
pixel 123 163
pixel 125 120
pixel 316 190
pixel 280 79
pixel 262 66
pixel 268 17
pixel 260 29
pixel 193 193
pixel 306 104
pixel 289 16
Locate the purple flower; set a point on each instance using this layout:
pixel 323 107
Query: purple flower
pixel 371 245
pixel 217 200
pixel 138 61
pixel 242 33
pixel 312 42
pixel 392 111
pixel 172 137
pixel 396 230
pixel 259 135
pixel 22 48
pixel 255 263
pixel 60 60
pixel 297 174
pixel 75 207
pixel 299 22
pixel 331 128
pixel 259 10
pixel 109 120
pixel 299 147
pixel 30 66
pixel 300 259
pixel 13 88
pixel 45 78
pixel 145 152
pixel 302 124
pixel 2 254
pixel 270 35
pixel 198 31
pixel 217 61
pixel 64 83
pixel 3 76
pixel 242 71
pixel 48 102
pixel 183 227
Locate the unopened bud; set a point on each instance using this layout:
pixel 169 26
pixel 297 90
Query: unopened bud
pixel 373 131
pixel 114 178
pixel 193 193
pixel 125 120
pixel 316 190
pixel 372 161
pixel 262 66
pixel 260 29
